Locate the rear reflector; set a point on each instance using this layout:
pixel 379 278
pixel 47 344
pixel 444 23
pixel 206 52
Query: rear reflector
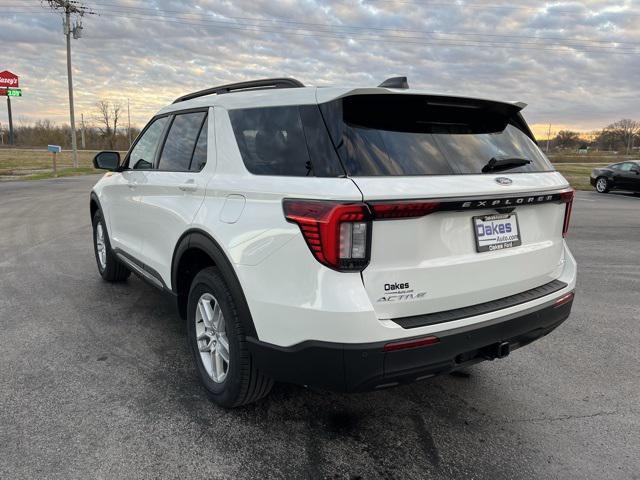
pixel 567 197
pixel 563 300
pixel 405 344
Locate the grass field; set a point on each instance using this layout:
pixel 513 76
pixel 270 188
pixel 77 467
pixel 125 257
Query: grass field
pixel 578 173
pixel 34 164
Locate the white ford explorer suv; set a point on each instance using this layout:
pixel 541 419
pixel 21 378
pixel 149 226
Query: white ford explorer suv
pixel 342 238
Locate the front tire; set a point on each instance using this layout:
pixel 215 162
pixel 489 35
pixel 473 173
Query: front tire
pixel 602 185
pixel 110 268
pixel 217 341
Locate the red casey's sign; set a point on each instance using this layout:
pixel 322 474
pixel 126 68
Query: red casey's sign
pixel 8 80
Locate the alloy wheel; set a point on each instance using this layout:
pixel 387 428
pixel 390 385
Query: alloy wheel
pixel 101 246
pixel 211 336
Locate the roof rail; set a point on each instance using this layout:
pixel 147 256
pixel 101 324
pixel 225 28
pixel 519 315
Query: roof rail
pixel 266 83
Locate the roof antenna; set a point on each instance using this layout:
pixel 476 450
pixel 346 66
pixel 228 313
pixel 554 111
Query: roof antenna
pixel 395 82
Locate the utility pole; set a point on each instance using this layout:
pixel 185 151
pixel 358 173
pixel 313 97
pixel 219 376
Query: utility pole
pixel 548 137
pixel 71 7
pixel 67 32
pixel 82 131
pixel 129 117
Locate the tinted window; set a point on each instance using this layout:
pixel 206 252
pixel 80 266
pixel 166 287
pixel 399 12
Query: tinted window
pixel 199 159
pixel 181 142
pixel 143 153
pixel 417 135
pixel 289 141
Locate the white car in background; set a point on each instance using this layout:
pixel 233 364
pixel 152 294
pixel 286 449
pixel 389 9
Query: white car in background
pixel 347 238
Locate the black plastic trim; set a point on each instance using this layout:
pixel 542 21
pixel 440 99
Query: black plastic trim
pixel 366 366
pixel 144 271
pixel 481 308
pixel 203 241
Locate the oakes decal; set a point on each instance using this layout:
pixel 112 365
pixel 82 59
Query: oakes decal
pixel 493 229
pixel 399 292
pixel 395 286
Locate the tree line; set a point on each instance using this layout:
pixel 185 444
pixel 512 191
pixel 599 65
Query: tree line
pixel 104 130
pixel 622 136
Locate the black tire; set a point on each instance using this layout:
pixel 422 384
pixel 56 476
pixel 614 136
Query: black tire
pixel 113 270
pixel 244 382
pixel 608 185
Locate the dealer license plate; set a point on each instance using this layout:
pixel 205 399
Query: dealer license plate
pixel 496 232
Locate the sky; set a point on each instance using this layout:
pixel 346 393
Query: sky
pixel 576 64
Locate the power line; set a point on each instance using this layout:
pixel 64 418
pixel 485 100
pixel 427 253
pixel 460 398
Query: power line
pixel 543 9
pixel 323 32
pixel 325 26
pixel 343 27
pixel 405 39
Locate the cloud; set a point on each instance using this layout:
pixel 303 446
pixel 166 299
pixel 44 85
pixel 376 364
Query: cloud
pixel 575 64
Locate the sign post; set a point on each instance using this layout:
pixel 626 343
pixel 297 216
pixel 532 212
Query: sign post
pixel 9 84
pixel 10 120
pixel 55 150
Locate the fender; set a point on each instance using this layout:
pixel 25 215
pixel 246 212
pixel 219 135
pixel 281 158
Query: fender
pixel 195 238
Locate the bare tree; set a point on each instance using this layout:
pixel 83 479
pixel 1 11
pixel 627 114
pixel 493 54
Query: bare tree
pixel 107 119
pixel 625 129
pixel 566 139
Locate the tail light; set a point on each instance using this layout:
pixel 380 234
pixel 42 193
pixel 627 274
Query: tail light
pixel 567 197
pixel 338 234
pixel 409 209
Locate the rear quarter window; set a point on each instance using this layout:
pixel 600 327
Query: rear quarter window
pixel 285 141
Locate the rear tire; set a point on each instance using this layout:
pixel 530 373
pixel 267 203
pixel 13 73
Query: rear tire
pixel 218 343
pixel 110 268
pixel 602 185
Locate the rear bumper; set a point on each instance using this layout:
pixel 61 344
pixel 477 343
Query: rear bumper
pixel 359 367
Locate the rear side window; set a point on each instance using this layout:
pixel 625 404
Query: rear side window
pixel 287 141
pixel 143 153
pixel 181 141
pixel 393 135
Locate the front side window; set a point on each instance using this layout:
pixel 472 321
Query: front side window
pixel 143 153
pixel 626 167
pixel 181 142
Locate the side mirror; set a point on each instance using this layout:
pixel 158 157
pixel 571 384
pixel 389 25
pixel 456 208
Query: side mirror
pixel 106 160
pixel 636 169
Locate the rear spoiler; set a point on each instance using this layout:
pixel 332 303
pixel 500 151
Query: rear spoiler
pixel 509 111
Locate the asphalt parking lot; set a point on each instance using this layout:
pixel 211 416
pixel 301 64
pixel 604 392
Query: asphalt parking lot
pixel 96 380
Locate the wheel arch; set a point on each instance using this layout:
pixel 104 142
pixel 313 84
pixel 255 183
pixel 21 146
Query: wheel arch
pixel 195 250
pixel 94 204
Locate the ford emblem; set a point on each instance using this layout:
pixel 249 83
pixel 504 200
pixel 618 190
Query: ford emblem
pixel 504 181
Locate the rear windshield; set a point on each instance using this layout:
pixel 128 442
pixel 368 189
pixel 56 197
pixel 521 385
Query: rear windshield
pixel 389 135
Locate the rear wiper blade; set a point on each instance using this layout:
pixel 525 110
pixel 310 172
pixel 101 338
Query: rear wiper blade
pixel 504 163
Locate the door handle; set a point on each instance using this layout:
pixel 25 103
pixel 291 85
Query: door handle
pixel 188 186
pixel 132 185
